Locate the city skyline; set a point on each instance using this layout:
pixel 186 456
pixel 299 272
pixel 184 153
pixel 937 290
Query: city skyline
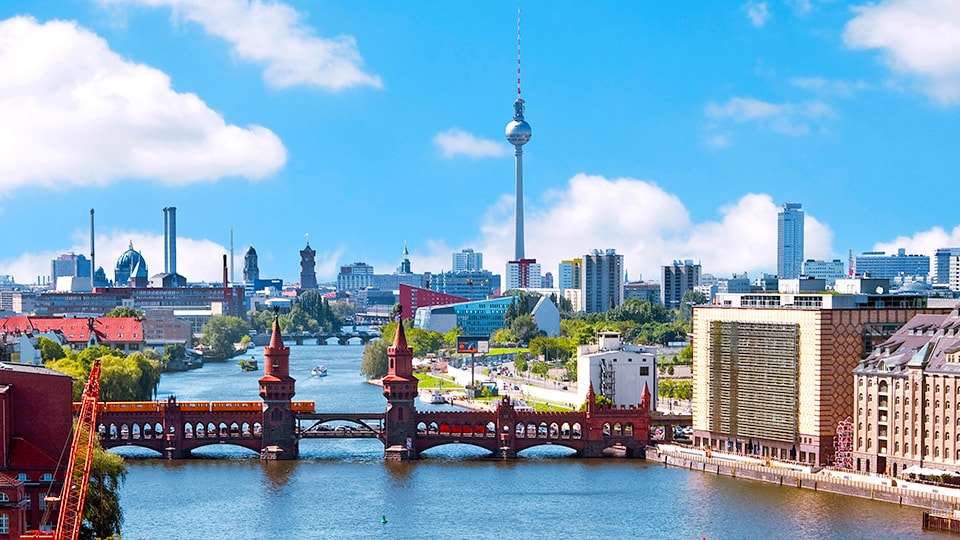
pixel 664 131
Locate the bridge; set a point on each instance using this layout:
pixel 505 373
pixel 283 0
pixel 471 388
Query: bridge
pixel 274 426
pixel 319 338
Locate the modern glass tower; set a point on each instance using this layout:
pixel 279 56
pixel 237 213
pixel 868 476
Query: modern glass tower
pixel 790 241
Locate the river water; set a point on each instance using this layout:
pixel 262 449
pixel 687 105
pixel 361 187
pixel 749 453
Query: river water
pixel 343 489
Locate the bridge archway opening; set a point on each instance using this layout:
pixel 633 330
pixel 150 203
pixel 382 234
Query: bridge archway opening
pixel 134 451
pixel 453 451
pixel 547 451
pixel 217 450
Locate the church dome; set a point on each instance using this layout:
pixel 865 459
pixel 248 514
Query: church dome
pixel 129 265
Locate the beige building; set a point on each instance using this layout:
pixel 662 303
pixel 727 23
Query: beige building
pixel 907 408
pixel 772 373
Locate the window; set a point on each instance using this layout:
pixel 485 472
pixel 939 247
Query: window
pixel 46 477
pixel 22 477
pixel 4 524
pixel 644 371
pixel 4 497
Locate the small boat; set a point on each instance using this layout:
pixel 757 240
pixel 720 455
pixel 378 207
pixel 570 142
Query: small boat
pixel 319 371
pixel 433 397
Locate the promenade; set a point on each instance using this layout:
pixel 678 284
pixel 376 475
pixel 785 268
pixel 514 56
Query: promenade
pixel 869 486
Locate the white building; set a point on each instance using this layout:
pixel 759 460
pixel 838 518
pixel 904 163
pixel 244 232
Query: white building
pixel 616 370
pixel 602 281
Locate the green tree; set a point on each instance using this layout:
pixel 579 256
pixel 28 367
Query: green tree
pixel 126 311
pixel 374 363
pixel 73 368
pixel 524 328
pixel 50 349
pixel 571 369
pixel 691 298
pixel 422 341
pixel 503 335
pixel 450 337
pixel 539 367
pixel 520 363
pixel 684 389
pixel 174 351
pixel 666 388
pixel 221 332
pixel 102 513
pixel 262 321
pixel 685 358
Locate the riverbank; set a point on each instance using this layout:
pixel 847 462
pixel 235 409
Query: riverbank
pixel 877 488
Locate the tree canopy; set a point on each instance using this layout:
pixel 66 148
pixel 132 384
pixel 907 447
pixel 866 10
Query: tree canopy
pixel 221 332
pixel 102 513
pixel 125 311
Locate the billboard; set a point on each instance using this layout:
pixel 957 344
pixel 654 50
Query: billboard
pixel 473 344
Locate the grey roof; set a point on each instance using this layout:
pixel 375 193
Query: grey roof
pixel 924 342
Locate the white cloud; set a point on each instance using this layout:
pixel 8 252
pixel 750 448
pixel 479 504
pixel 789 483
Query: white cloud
pixel 923 242
pixel 800 7
pixel 758 13
pixel 648 225
pixel 76 113
pixel 792 119
pixel 272 34
pixel 828 86
pixel 917 38
pixel 455 141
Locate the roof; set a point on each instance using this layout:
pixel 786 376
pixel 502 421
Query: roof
pixel 77 330
pixel 925 341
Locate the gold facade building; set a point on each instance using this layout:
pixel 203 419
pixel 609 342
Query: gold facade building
pixel 773 373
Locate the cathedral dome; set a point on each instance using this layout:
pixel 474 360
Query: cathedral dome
pixel 129 265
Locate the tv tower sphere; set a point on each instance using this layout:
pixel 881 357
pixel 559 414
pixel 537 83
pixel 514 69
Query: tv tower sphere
pixel 518 131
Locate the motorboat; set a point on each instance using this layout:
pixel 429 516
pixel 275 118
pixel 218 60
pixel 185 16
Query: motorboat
pixel 433 397
pixel 319 371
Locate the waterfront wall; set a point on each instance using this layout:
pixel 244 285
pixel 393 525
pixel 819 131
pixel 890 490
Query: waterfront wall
pixel 790 477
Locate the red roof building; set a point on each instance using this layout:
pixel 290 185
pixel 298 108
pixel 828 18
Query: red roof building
pixel 121 333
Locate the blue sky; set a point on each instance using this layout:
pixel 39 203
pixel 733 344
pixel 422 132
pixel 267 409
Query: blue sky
pixel 664 130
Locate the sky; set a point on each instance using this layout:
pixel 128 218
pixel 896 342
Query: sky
pixel 663 130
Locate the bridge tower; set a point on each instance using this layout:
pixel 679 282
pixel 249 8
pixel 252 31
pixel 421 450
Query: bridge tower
pixel 277 390
pixel 400 389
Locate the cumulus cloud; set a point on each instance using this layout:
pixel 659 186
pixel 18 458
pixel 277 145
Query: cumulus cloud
pixel 456 142
pixel 758 13
pixel 923 242
pixel 648 225
pixel 918 39
pixel 197 259
pixel 792 119
pixel 273 35
pixel 76 113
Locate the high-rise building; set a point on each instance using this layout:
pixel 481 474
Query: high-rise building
pixel 467 260
pixel 569 274
pixel 830 271
pixel 71 265
pixel 772 372
pixel 251 269
pixel 941 264
pixel 602 281
pixel 789 241
pixel 879 265
pixel 523 274
pixel 308 274
pixel 354 276
pixel 677 279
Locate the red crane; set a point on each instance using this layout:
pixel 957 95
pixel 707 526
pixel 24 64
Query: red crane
pixel 78 469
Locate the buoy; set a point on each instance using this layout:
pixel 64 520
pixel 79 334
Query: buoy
pixel 383 520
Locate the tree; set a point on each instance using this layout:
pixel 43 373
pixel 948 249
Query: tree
pixel 666 388
pixel 683 389
pixel 102 513
pixel 520 362
pixel 571 369
pixel 221 332
pixel 691 298
pixel 262 321
pixel 374 363
pixel 685 358
pixel 524 328
pixel 174 351
pixel 539 367
pixel 50 349
pixel 125 311
pixel 503 335
pixel 450 337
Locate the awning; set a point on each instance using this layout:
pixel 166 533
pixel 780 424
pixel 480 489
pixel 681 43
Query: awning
pixel 924 471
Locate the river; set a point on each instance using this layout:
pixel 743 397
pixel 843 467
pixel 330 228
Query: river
pixel 343 489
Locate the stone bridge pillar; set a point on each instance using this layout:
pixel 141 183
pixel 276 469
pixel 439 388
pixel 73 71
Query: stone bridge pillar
pixel 172 422
pixel 506 431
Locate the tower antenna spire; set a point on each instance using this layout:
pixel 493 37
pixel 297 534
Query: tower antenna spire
pixel 518 50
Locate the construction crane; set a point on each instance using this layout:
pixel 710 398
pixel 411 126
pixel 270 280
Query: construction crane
pixel 78 469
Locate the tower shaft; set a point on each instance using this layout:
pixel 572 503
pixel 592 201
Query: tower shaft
pixel 518 251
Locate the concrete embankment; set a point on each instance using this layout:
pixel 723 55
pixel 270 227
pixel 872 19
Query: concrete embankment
pixel 888 490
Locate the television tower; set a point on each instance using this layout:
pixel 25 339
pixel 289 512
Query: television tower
pixel 518 133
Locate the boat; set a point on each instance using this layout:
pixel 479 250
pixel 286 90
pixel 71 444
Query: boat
pixel 248 365
pixel 433 397
pixel 319 371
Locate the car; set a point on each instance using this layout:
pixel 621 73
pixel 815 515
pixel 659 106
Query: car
pixel 515 387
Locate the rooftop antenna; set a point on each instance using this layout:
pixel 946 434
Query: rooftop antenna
pixel 518 50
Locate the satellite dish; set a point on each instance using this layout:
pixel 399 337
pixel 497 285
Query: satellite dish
pixel 879 290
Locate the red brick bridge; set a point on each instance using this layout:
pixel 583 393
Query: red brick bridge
pixel 274 426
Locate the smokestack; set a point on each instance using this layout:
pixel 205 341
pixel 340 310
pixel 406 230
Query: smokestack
pixel 232 264
pixel 170 240
pixel 93 258
pixel 224 270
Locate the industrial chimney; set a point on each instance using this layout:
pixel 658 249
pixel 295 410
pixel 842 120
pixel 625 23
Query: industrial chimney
pixel 93 259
